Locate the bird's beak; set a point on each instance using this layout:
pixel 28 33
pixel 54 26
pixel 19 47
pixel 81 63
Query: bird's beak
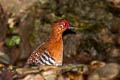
pixel 71 27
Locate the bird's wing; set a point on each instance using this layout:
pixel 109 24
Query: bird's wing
pixel 45 59
pixel 41 56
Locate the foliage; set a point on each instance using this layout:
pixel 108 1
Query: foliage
pixel 15 40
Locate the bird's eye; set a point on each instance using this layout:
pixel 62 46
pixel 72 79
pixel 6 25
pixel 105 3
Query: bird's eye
pixel 65 24
pixel 62 26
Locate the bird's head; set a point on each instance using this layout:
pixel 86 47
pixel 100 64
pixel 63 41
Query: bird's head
pixel 61 25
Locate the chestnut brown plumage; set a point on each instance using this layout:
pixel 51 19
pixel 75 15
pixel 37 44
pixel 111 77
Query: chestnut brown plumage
pixel 51 51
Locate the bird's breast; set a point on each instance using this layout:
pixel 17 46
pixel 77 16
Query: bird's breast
pixel 56 51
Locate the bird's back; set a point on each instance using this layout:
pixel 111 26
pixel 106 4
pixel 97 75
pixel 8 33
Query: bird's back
pixel 35 58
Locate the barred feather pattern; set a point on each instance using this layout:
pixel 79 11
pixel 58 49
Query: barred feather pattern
pixel 45 59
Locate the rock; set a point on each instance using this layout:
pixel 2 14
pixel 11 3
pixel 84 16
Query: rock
pixel 33 77
pixel 60 77
pixel 108 72
pixel 4 58
pixel 70 44
pixel 49 75
pixel 96 65
pixel 114 52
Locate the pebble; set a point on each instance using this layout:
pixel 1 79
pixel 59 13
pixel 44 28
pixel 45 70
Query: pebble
pixel 107 72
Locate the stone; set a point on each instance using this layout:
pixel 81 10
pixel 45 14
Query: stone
pixel 107 72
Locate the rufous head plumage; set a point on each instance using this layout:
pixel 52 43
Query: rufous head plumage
pixel 61 25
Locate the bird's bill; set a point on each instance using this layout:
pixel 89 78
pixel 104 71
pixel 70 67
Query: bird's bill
pixel 71 27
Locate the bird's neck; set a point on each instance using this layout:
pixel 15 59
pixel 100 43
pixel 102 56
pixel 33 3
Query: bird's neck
pixel 56 47
pixel 55 37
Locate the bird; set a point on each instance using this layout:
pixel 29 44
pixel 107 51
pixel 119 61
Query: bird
pixel 50 52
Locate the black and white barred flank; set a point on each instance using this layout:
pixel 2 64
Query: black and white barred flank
pixel 45 59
